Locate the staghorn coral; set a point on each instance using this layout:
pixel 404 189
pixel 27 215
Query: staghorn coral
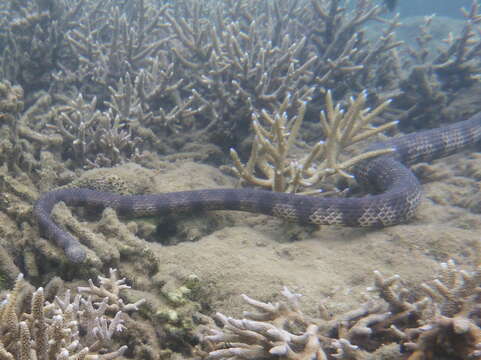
pixel 270 154
pixel 218 63
pixel 98 75
pixel 456 326
pixel 112 38
pixel 11 106
pixel 254 54
pixel 33 39
pixel 145 74
pixel 444 323
pixel 194 69
pixel 199 69
pixel 346 59
pixel 81 327
pixel 434 77
pixel 94 138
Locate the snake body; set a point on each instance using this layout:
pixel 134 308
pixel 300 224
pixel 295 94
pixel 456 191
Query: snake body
pixel 398 192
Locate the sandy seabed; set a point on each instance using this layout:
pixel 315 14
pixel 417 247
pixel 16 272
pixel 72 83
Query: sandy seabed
pixel 258 255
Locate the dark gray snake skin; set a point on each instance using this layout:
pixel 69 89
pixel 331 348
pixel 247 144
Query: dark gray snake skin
pixel 398 192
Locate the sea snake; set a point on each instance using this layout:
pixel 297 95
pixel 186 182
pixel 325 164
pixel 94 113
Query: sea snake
pixel 397 191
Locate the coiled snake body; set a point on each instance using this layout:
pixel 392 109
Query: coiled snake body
pixel 398 192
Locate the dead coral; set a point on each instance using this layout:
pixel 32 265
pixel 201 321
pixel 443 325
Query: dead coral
pixel 24 133
pixel 108 243
pixel 446 322
pixel 77 326
pixel 11 101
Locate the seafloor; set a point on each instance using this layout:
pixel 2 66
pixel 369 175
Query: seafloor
pixel 236 252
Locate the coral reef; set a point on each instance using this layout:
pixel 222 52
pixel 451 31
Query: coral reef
pixel 100 83
pixel 97 84
pixel 82 326
pixel 146 74
pixel 443 323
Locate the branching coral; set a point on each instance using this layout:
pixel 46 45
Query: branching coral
pixel 343 53
pixel 456 326
pixel 437 75
pixel 200 69
pixel 268 333
pixel 23 133
pixel 195 69
pixel 112 39
pixel 272 143
pixel 239 62
pixel 446 322
pixel 34 40
pixel 94 138
pixel 81 327
pixel 100 75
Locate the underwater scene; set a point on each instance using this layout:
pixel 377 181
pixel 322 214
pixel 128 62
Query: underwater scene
pixel 240 179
